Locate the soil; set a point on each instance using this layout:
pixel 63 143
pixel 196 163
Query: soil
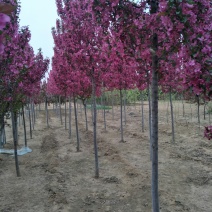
pixel 57 178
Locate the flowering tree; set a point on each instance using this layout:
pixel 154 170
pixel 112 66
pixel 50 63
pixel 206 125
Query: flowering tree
pixel 5 10
pixel 158 41
pixel 172 36
pixel 21 71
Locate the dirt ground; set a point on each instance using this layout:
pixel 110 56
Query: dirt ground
pixel 56 178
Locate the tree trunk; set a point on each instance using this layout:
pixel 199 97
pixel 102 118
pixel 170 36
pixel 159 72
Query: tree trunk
pixel 33 108
pixel 154 139
pixel 204 110
pixel 121 121
pixel 101 99
pixel 32 114
pixel 112 105
pixel 105 126
pixel 65 115
pixel 167 112
pixel 61 119
pixel 94 129
pixel 86 118
pixel 4 136
pixel 125 115
pixel 2 132
pixel 198 113
pixel 172 116
pixel 69 121
pixel 25 136
pixel 76 123
pixel 14 127
pixel 30 122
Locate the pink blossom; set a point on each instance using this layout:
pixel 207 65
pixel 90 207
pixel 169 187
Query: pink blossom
pixel 3 20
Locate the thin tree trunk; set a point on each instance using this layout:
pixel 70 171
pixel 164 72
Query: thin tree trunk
pixel 103 96
pixel 112 105
pixel 121 120
pixel 101 106
pixel 69 121
pixel 86 118
pixel 76 123
pixel 32 114
pixel 94 129
pixel 4 136
pixel 154 137
pixel 30 122
pixel 178 109
pixel 65 115
pixel 125 115
pixel 175 112
pixel 204 110
pixel 2 131
pixel 167 112
pixel 14 127
pixel 61 118
pixel 198 113
pixel 172 116
pixel 33 106
pixel 25 136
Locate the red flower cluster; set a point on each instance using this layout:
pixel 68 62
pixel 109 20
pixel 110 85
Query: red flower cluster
pixel 4 19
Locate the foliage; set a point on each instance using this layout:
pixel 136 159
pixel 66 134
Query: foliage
pixel 21 70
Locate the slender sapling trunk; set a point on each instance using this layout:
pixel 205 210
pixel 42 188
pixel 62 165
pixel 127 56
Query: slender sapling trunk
pixel 94 128
pixel 172 116
pixel 15 140
pixel 76 123
pixel 121 120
